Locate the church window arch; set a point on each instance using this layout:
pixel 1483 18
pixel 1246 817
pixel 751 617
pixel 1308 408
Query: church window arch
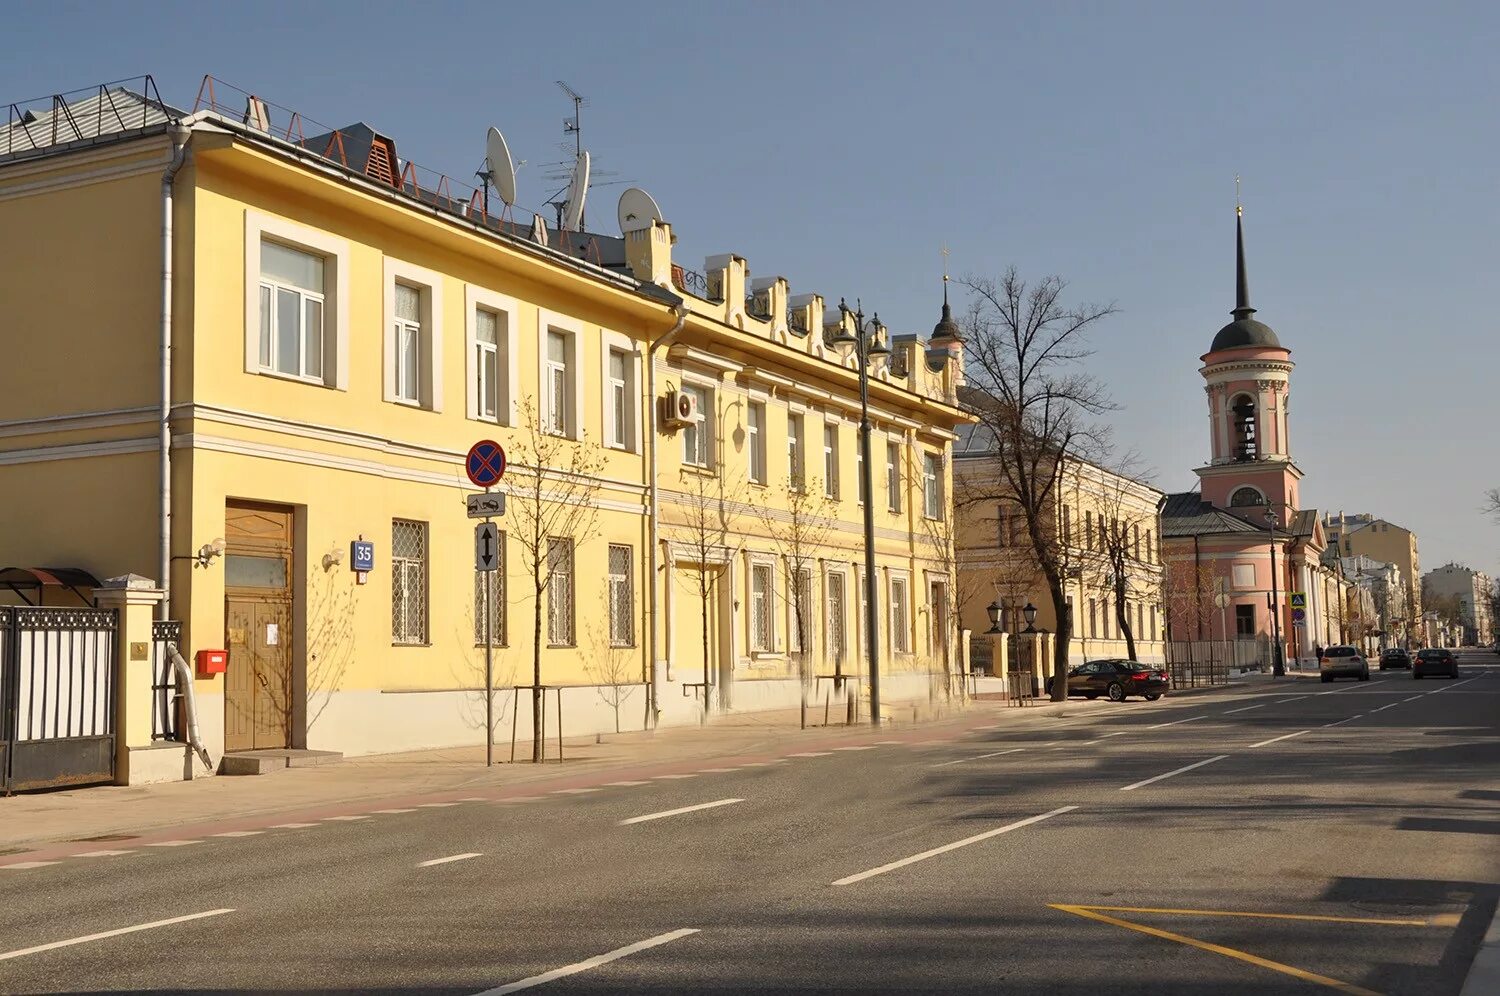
pixel 1246 497
pixel 1246 428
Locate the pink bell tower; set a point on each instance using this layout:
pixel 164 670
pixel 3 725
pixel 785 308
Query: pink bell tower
pixel 1247 374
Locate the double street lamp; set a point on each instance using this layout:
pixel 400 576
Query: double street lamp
pixel 1278 660
pixel 868 340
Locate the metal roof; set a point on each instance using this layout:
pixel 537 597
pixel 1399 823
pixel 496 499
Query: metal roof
pixel 56 121
pixel 1187 514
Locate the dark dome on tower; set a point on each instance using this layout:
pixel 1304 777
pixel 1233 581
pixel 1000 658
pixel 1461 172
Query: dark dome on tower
pixel 1244 331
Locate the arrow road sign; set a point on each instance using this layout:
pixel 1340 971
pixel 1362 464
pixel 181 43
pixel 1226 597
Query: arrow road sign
pixel 486 547
pixel 485 505
pixel 485 463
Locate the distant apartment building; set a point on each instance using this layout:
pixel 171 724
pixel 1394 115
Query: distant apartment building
pixel 1463 595
pixel 1364 535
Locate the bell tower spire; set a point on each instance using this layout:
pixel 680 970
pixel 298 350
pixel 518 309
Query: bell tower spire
pixel 1242 307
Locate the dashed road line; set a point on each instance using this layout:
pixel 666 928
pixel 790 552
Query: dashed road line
pixel 1187 767
pixel 574 791
pixel 860 747
pixel 715 771
pixel 101 854
pixel 1284 736
pixel 1340 722
pixel 1262 705
pixel 934 852
pixel 309 826
pixel 980 757
pixel 674 777
pixel 449 859
pixel 238 833
pixel 1175 722
pixel 678 812
pixel 393 812
pixel 626 784
pixel 435 805
pixel 54 945
pixel 23 865
pixel 346 819
pixel 594 962
pixel 813 753
pixel 171 843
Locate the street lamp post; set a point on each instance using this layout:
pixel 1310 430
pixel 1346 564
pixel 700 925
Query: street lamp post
pixel 868 342
pixel 1278 662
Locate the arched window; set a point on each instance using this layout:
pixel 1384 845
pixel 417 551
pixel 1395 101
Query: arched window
pixel 1246 497
pixel 1246 435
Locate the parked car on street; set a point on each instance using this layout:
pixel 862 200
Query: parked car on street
pixel 1117 679
pixel 1434 660
pixel 1343 662
pixel 1395 657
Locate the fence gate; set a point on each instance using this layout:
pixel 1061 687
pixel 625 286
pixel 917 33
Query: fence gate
pixel 57 697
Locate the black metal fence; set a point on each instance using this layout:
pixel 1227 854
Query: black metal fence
pixel 165 720
pixel 57 697
pixel 1192 663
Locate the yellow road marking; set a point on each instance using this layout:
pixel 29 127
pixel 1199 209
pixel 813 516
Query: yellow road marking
pixel 1275 966
pixel 1445 920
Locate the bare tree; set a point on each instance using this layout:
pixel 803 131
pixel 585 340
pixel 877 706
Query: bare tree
pixel 612 663
pixel 550 511
pixel 1118 562
pixel 1025 350
pixel 705 525
pixel 800 532
pixel 1492 504
pixel 1190 590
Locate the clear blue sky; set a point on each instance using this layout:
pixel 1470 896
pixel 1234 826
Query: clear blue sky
pixel 840 145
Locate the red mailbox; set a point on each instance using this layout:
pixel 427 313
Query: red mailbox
pixel 212 662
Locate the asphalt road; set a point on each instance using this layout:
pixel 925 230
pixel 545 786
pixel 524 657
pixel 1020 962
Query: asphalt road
pixel 1285 839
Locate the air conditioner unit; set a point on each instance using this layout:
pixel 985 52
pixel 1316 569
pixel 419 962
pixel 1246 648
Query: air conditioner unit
pixel 682 409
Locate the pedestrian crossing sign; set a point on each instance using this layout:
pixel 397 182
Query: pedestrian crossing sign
pixel 1299 599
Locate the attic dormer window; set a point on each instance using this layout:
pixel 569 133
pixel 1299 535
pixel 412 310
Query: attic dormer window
pixel 1246 434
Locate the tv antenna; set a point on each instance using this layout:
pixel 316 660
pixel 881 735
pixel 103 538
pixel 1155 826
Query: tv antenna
pixel 574 125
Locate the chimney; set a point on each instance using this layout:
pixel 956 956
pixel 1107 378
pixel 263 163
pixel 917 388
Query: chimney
pixel 648 253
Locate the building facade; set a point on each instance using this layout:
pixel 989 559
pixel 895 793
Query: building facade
pixel 1365 535
pixel 1464 597
pixel 1241 546
pixel 246 351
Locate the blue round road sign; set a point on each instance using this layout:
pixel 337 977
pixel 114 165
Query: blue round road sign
pixel 485 463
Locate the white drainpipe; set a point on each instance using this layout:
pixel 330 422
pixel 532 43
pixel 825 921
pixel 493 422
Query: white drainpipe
pixel 180 136
pixel 654 706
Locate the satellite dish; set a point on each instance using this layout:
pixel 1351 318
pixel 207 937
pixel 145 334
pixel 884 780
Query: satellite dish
pixel 637 211
pixel 578 189
pixel 538 230
pixel 500 166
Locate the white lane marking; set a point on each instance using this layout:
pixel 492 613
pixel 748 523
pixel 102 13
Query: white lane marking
pixel 813 753
pixel 1231 712
pixel 594 962
pixel 714 771
pixel 345 819
pixel 306 826
pixel 1294 698
pixel 923 856
pixel 897 743
pixel 393 812
pixel 627 784
pixel 1342 721
pixel 109 933
pixel 862 747
pixel 674 777
pixel 678 812
pixel 452 857
pixel 521 798
pixel 21 865
pixel 981 757
pixel 1414 697
pixel 574 791
pixel 1284 736
pixel 1117 733
pixel 172 843
pixel 237 833
pixel 1385 707
pixel 757 764
pixel 1190 719
pixel 1187 767
pixel 474 798
pixel 435 805
pixel 101 854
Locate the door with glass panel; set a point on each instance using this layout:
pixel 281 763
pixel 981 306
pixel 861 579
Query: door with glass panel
pixel 258 686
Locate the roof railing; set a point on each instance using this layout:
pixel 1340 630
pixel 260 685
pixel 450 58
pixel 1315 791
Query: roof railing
pixel 57 118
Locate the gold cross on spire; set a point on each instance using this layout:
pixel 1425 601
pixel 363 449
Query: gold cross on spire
pixel 1238 212
pixel 945 263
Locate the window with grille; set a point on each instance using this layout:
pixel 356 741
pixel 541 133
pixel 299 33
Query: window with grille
pixel 893 476
pixel 831 461
pixel 621 597
pixel 495 582
pixel 558 399
pixel 932 485
pixel 697 437
pixel 794 461
pixel 408 582
pixel 408 343
pixel 488 372
pixel 620 431
pixel 800 627
pixel 900 637
pixel 834 626
pixel 761 632
pixel 560 592
pixel 291 311
pixel 755 430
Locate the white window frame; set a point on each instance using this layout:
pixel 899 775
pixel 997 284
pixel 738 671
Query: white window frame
pixel 932 486
pixel 762 607
pixel 621 597
pixel 429 285
pixel 804 586
pixel 557 579
pixel 796 450
pixel 335 252
pixel 893 483
pixel 507 356
pixel 831 459
pixel 402 570
pixel 572 331
pixel 270 333
pixel 836 626
pixel 629 392
pixel 703 456
pixel 755 440
pixel 900 621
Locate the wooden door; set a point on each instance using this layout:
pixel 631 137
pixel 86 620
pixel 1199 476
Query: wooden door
pixel 258 687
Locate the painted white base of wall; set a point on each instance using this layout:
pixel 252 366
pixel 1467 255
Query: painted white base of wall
pixel 373 722
pixel 162 762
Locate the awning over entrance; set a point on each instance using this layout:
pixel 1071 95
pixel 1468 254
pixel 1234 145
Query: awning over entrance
pixel 30 584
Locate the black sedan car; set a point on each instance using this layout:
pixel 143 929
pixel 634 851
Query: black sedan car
pixel 1117 679
pixel 1395 657
pixel 1434 660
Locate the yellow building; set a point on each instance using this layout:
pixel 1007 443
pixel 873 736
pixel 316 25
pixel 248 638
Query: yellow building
pixel 341 327
pixel 1104 526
